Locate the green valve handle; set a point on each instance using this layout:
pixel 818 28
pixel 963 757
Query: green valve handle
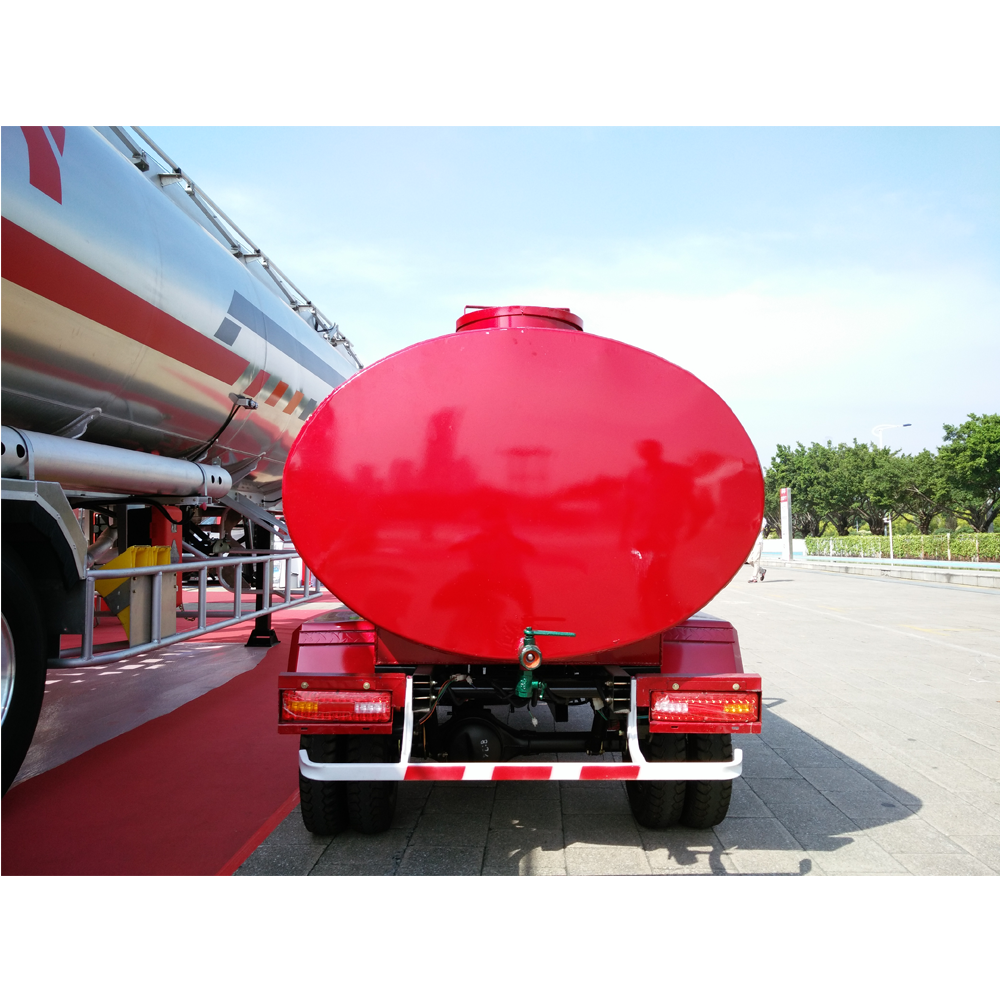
pixel 529 655
pixel 526 687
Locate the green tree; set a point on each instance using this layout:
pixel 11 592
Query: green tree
pixel 814 470
pixel 873 479
pixel 772 498
pixel 925 489
pixel 835 494
pixel 970 463
pixel 799 470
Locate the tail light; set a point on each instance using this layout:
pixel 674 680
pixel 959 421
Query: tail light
pixel 336 706
pixel 702 706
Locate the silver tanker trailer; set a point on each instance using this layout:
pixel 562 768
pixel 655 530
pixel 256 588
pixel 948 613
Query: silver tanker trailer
pixel 157 367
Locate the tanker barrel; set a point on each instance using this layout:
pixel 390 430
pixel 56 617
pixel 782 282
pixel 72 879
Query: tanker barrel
pixel 85 465
pixel 522 489
pixel 143 281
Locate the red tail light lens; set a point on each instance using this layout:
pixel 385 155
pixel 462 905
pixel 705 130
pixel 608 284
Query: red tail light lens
pixel 700 706
pixel 336 706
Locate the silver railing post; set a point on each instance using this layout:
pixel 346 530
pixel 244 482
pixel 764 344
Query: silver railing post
pixel 203 597
pixel 88 621
pixel 288 579
pixel 238 590
pixel 155 624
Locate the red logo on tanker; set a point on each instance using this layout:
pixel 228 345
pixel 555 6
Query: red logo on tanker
pixel 43 164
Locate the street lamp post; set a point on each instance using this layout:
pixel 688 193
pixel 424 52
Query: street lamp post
pixel 878 428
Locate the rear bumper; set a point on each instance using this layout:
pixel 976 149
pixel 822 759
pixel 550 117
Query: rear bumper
pixel 683 771
pixel 638 769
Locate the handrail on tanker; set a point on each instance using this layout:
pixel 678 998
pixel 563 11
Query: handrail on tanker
pixel 243 247
pixel 310 590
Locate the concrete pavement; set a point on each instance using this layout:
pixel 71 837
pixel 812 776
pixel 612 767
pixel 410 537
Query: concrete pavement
pixel 880 755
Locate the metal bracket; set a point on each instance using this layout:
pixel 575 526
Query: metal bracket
pixel 407 744
pixel 241 470
pixel 632 730
pixel 263 518
pixel 77 427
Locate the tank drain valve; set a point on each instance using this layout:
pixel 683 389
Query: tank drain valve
pixel 530 658
pixel 528 653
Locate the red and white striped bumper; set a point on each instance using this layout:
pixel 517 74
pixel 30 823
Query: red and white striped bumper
pixel 683 771
pixel 638 769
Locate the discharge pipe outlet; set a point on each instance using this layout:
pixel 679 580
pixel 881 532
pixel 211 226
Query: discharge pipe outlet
pixel 85 465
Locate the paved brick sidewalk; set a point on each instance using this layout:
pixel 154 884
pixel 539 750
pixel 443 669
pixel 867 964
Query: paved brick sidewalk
pixel 880 755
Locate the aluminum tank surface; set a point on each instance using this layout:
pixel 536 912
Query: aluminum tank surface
pixel 115 298
pixel 511 476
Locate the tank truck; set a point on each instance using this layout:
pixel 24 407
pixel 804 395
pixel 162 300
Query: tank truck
pixel 529 520
pixel 157 367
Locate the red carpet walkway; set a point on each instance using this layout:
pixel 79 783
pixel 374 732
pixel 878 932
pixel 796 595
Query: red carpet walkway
pixel 190 793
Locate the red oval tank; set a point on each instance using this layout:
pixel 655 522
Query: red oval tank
pixel 507 476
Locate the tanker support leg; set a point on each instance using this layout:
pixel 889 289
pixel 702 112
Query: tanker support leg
pixel 262 634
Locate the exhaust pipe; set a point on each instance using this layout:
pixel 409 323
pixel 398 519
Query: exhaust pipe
pixel 84 465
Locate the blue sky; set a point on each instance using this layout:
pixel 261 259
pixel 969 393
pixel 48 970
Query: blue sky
pixel 822 280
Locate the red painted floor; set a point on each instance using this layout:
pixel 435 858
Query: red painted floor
pixel 189 793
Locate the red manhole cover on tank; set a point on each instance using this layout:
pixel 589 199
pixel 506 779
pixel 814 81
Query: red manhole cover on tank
pixel 475 484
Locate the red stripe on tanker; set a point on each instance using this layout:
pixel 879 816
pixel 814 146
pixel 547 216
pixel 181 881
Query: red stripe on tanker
pixel 46 271
pixel 524 475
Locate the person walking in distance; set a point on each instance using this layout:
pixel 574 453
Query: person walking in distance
pixel 755 555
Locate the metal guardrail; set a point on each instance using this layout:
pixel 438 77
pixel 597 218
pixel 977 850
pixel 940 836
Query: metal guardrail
pixel 310 590
pixel 903 561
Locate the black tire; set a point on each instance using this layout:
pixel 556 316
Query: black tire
pixel 706 803
pixel 323 803
pixel 372 804
pixel 24 681
pixel 658 804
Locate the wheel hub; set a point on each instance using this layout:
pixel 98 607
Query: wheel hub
pixel 8 668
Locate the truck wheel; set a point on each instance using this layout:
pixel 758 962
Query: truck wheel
pixel 658 804
pixel 323 803
pixel 371 804
pixel 24 659
pixel 707 802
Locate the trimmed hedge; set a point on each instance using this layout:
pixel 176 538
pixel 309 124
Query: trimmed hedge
pixel 965 546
